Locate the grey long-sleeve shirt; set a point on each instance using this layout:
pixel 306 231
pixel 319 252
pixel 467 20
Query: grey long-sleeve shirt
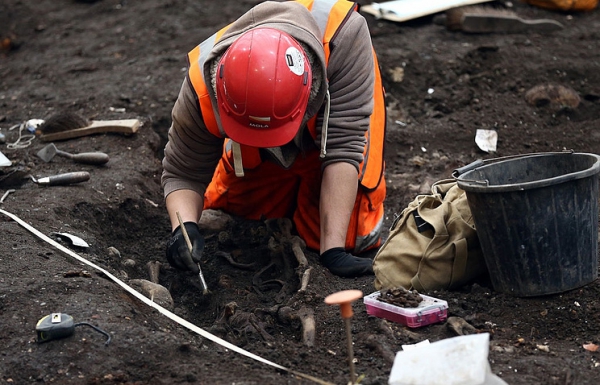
pixel 192 152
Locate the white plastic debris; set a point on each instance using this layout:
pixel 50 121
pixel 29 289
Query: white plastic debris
pixel 4 161
pixel 416 346
pixel 460 360
pixel 486 140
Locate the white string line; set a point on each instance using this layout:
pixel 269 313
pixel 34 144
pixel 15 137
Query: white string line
pixel 23 141
pixel 156 306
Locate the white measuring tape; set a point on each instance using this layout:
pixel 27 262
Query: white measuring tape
pixel 161 309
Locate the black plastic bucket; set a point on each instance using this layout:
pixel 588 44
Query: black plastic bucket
pixel 536 217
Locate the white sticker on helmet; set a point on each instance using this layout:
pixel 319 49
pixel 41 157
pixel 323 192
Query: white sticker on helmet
pixel 295 60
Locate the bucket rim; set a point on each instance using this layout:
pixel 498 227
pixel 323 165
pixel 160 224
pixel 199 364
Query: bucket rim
pixel 483 186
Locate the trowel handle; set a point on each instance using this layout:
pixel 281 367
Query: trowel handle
pixel 64 179
pixel 90 158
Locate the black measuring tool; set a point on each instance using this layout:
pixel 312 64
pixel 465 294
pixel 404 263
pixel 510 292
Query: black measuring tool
pixel 60 325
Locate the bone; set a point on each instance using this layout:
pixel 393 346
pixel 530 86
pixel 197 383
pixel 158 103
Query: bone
pixel 305 315
pixel 260 328
pixel 256 281
pixel 152 289
pixel 232 262
pixel 153 270
pixel 280 227
pixel 386 329
pixel 280 243
pixel 242 321
pixel 381 348
pixel 286 227
pixel 304 280
pixel 460 326
pixel 274 246
pixel 298 247
pixel 286 315
pixel 307 318
pixel 157 293
pixel 225 282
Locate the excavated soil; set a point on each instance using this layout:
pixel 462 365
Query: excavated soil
pixel 114 59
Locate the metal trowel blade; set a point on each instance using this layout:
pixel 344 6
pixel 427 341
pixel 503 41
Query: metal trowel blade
pixel 47 153
pixel 75 241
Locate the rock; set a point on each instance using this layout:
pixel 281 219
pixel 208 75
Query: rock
pixel 557 96
pixel 154 291
pixel 128 262
pixel 214 220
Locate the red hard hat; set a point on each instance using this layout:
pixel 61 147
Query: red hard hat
pixel 263 84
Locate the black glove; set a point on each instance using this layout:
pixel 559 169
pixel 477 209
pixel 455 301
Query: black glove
pixel 344 264
pixel 179 255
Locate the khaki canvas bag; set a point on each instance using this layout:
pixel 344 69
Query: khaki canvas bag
pixel 432 245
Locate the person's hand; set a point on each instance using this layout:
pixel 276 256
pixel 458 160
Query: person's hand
pixel 179 255
pixel 344 264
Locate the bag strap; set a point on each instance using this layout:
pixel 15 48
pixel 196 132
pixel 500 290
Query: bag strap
pixel 440 232
pixel 459 267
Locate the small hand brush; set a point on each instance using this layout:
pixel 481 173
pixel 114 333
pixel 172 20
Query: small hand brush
pixel 190 247
pixel 69 125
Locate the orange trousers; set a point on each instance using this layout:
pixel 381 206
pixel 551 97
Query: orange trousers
pixel 269 191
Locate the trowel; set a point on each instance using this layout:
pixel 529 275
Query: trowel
pixel 476 19
pixel 62 179
pixel 50 151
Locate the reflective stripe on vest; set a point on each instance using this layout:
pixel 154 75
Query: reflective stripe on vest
pixel 196 59
pixel 330 15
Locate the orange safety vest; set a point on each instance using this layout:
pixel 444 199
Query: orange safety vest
pixel 330 15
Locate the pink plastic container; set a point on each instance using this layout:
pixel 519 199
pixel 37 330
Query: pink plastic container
pixel 430 310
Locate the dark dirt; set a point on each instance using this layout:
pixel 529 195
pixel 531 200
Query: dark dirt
pixel 114 59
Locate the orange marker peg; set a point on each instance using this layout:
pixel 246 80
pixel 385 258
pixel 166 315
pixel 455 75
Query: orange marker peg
pixel 344 299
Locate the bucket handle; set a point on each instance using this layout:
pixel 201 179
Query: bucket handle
pixel 471 166
pixel 480 162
